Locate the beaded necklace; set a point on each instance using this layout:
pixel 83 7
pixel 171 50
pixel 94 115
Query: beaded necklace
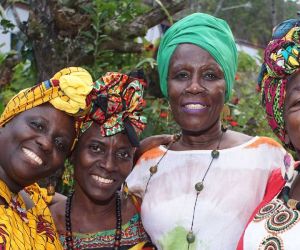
pixel 118 234
pixel 190 237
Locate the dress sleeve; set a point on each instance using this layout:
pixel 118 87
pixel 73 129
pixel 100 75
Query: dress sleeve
pixel 274 185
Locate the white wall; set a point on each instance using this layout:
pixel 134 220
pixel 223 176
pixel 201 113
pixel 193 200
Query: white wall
pixel 5 39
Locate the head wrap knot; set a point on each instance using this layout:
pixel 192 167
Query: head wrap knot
pixel 209 33
pixel 117 101
pixel 74 85
pixel 281 59
pixel 66 91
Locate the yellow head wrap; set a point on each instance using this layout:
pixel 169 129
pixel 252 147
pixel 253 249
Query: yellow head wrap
pixel 66 90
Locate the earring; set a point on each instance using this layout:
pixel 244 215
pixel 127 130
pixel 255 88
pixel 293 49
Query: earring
pixel 51 185
pixel 125 190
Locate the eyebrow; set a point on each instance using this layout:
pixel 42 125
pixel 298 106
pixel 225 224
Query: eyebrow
pixel 211 65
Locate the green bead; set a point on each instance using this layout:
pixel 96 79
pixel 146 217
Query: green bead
pixel 190 237
pixel 215 154
pixel 153 169
pixel 199 186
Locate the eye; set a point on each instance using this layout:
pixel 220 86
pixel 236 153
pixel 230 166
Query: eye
pixel 37 125
pixel 123 155
pixel 182 76
pixel 96 148
pixel 60 144
pixel 210 76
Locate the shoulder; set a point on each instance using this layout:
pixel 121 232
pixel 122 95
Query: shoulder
pixel 151 154
pixel 129 207
pixel 234 138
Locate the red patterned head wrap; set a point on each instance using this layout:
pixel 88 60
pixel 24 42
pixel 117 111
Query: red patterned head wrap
pixel 117 103
pixel 281 59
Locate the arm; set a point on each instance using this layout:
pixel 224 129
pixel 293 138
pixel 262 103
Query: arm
pixel 151 142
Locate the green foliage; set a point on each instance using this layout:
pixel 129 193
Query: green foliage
pixel 159 117
pixel 6 25
pixel 102 14
pixel 23 77
pixel 245 105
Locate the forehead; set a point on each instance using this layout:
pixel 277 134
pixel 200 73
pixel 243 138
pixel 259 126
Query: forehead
pixel 48 112
pixel 54 118
pixel 94 133
pixel 188 52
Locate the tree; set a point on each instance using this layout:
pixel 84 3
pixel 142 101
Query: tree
pixel 63 33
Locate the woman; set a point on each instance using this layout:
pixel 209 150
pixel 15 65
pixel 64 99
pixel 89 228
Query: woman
pixel 198 192
pixel 95 215
pixel 34 145
pixel 275 223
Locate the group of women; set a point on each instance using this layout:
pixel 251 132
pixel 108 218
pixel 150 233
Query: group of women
pixel 198 191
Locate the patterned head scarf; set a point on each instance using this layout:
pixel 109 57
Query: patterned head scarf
pixel 281 59
pixel 117 103
pixel 209 33
pixel 67 91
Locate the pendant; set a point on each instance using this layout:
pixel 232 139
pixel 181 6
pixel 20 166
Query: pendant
pixel 215 154
pixel 199 186
pixel 190 237
pixel 153 169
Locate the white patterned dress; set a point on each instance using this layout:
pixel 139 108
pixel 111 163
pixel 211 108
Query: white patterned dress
pixel 234 186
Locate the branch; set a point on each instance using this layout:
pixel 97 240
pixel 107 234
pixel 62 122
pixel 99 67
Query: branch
pixel 122 46
pixel 139 26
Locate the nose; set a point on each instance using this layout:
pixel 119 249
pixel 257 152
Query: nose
pixel 195 87
pixel 45 143
pixel 110 164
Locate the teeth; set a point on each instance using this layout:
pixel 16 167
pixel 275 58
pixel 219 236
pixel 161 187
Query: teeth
pixel 101 179
pixel 194 106
pixel 32 156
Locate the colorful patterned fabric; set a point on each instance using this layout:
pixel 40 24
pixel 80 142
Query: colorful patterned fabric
pixel 22 228
pixel 66 90
pixel 281 59
pixel 208 32
pixel 117 102
pixel 133 234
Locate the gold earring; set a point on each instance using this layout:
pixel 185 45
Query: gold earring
pixel 125 190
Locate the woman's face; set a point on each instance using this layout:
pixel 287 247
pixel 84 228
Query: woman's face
pixel 34 144
pixel 196 88
pixel 102 163
pixel 292 111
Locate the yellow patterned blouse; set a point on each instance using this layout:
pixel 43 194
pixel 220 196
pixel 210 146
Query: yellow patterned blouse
pixel 31 229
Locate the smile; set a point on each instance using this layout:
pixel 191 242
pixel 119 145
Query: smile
pixel 194 106
pixel 102 180
pixel 32 156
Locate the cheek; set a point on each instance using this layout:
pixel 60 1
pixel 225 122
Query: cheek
pixel 292 123
pixel 125 170
pixel 175 89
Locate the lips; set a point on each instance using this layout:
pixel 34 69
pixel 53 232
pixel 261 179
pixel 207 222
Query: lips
pixel 102 180
pixel 33 157
pixel 194 107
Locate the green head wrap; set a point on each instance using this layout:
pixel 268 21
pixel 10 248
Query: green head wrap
pixel 211 34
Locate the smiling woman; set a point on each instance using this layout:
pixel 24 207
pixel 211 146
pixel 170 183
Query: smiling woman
pixel 275 222
pixel 34 145
pixel 199 190
pixel 96 215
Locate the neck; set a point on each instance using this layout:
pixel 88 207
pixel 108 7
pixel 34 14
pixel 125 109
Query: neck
pixel 13 187
pixel 201 140
pixel 83 204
